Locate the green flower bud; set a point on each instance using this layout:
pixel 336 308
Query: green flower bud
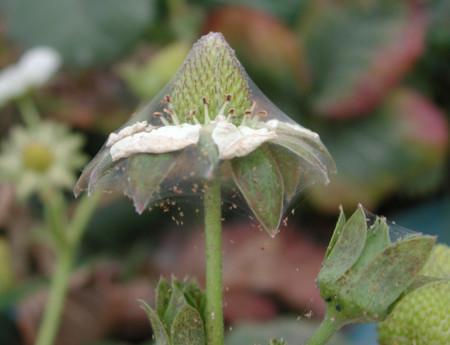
pixel 364 272
pixel 177 318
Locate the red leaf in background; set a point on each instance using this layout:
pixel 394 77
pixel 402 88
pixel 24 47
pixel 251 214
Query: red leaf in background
pixel 424 123
pixel 262 41
pixel 402 148
pixel 364 66
pixel 255 267
pixel 96 306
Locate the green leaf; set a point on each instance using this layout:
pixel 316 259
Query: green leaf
pixel 85 32
pixel 284 10
pixel 188 328
pixel 357 51
pixel 277 342
pixel 162 296
pixel 145 174
pixel 259 180
pixel 390 274
pixel 347 249
pixel 147 79
pixel 404 157
pixel 159 331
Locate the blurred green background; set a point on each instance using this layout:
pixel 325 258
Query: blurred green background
pixel 371 77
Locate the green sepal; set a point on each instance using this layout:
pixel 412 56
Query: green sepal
pixel 159 331
pixel 305 152
pixel 176 302
pixel 194 296
pixel 290 170
pixel 422 281
pixel 347 248
pixel 277 342
pixel 145 174
pixel 337 231
pixel 390 273
pixel 188 327
pixel 364 274
pixel 162 296
pixel 260 182
pixel 376 242
pixel 179 315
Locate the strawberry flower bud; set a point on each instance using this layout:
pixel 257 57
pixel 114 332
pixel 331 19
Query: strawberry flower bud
pixel 364 272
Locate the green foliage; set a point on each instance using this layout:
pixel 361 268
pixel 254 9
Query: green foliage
pixel 347 41
pixel 365 273
pixel 277 342
pixel 85 32
pixel 147 79
pixel 286 10
pixel 178 315
pixel 399 148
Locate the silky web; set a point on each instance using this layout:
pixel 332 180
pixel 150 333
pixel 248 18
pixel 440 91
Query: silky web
pixel 396 232
pixel 210 115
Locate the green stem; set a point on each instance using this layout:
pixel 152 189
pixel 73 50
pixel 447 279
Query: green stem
pixel 65 257
pixel 326 330
pixel 55 303
pixel 213 251
pixel 28 111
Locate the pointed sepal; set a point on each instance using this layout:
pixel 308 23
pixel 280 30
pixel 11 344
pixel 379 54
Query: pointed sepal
pixel 260 182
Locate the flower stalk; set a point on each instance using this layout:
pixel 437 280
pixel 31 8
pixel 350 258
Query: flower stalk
pixel 213 252
pixel 329 326
pixel 67 242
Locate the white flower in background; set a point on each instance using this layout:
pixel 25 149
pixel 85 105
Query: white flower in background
pixel 45 156
pixel 33 70
pixel 211 114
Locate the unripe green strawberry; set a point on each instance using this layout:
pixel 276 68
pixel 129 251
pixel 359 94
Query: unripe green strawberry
pixel 423 316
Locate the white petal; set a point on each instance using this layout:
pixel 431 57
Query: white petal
pixel 295 128
pixel 39 64
pixel 239 141
pixel 127 131
pixel 12 84
pixel 34 69
pixel 159 140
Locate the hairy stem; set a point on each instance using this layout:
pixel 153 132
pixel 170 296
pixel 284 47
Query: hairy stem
pixel 213 251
